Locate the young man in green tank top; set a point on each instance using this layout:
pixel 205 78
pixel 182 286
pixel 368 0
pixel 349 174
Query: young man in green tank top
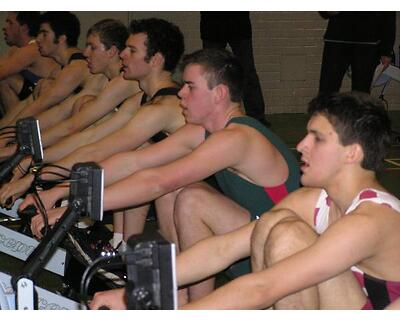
pixel 218 138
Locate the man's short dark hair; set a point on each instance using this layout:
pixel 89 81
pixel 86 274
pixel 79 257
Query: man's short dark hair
pixel 63 23
pixel 163 37
pixel 31 19
pixel 357 118
pixel 220 66
pixel 111 33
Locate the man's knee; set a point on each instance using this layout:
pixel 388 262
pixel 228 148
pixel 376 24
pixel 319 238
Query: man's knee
pixel 286 238
pixel 190 199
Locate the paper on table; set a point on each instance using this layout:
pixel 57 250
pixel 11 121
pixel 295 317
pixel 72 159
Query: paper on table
pixel 381 76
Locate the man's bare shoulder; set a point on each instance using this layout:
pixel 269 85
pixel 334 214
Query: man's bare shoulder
pixel 21 55
pixel 164 101
pixel 376 210
pixel 77 67
pixel 134 99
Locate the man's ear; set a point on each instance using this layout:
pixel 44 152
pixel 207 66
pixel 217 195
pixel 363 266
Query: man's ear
pixel 113 51
pixel 24 29
pixel 157 59
pixel 354 153
pixel 221 92
pixel 62 39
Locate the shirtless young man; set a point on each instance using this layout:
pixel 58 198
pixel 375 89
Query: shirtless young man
pixel 152 52
pixel 57 39
pixel 23 65
pixel 105 40
pixel 319 246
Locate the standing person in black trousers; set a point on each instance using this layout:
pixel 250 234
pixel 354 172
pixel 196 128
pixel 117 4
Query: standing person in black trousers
pixel 220 28
pixel 357 39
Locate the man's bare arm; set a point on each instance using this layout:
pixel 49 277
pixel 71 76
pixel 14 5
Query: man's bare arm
pixel 115 93
pixel 148 121
pixel 61 111
pixel 306 268
pixel 69 144
pixel 67 81
pixel 218 152
pixel 19 60
pixel 212 255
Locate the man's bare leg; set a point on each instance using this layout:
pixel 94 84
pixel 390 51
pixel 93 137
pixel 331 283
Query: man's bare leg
pixel 342 292
pixel 165 206
pixel 118 228
pixel 200 212
pixel 134 220
pixel 128 222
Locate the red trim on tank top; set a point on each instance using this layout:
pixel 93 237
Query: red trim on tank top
pixel 276 193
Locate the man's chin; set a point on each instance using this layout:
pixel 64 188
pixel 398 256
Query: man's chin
pixel 126 76
pixel 309 183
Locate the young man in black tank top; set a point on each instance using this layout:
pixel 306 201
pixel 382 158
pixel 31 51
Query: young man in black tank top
pixel 23 66
pixel 57 38
pixel 151 62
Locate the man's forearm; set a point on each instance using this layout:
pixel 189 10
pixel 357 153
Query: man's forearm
pixel 41 104
pixel 56 114
pixel 246 293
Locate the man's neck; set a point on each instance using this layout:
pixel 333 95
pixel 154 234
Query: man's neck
pixel 154 82
pixel 113 70
pixel 346 187
pixel 25 40
pixel 222 115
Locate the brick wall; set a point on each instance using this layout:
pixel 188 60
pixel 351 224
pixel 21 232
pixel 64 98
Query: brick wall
pixel 287 50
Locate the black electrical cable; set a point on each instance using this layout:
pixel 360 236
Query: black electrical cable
pixel 54 173
pixel 8 132
pixel 55 166
pixel 42 209
pixel 21 170
pixel 99 263
pixel 7 137
pixel 8 127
